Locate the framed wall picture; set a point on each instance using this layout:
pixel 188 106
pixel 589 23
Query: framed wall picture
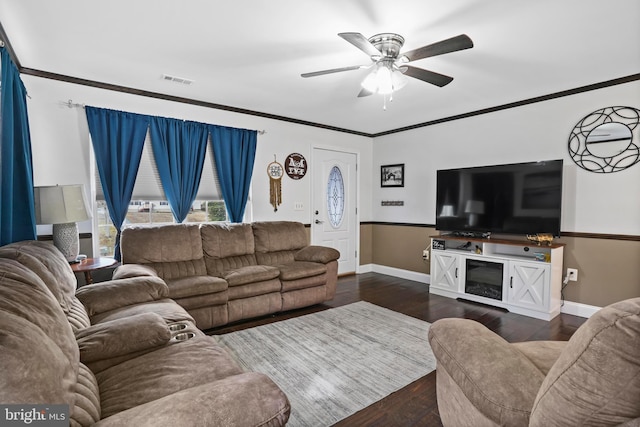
pixel 392 175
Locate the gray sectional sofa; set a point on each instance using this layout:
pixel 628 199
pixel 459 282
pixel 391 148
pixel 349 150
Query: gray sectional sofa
pixel 118 353
pixel 223 273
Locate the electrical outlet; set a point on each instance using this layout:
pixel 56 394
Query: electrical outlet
pixel 298 206
pixel 425 254
pixel 572 273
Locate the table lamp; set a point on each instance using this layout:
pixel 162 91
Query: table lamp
pixel 63 206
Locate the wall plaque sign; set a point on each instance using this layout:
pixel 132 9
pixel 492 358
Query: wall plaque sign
pixel 295 165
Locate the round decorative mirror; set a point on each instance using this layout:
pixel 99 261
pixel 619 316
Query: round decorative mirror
pixel 603 141
pixel 609 140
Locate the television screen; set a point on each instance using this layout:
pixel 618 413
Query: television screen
pixel 521 198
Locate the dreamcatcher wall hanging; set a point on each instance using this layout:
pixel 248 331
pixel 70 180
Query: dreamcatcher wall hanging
pixel 275 172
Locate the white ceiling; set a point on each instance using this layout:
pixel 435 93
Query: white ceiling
pixel 249 54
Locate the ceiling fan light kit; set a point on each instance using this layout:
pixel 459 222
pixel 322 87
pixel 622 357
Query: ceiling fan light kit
pixel 391 66
pixel 384 79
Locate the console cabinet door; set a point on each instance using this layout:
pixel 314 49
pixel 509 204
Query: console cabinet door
pixel 529 284
pixel 446 271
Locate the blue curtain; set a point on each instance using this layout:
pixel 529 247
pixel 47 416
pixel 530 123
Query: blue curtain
pixel 179 148
pixel 17 211
pixel 118 138
pixel 234 151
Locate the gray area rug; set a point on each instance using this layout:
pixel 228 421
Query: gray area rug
pixel 336 362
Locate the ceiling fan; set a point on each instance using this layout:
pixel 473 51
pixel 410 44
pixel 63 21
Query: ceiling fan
pixel 390 66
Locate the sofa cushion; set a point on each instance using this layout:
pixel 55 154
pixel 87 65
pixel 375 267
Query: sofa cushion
pixel 34 368
pixel 195 285
pixel 106 296
pixel 248 399
pixel 178 269
pixel 276 258
pixel 160 244
pixel 77 316
pixel 167 308
pixel 49 264
pixel 216 267
pixel 274 236
pixel 254 289
pixel 321 254
pixel 543 354
pixel 86 410
pixel 133 270
pixel 24 294
pixel 226 240
pixel 227 247
pixel 301 269
pixel 118 337
pixel 304 282
pixel 40 357
pixel 200 301
pixel 596 379
pixel 168 370
pixel 250 274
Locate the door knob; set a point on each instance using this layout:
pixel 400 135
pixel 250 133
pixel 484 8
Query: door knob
pixel 318 221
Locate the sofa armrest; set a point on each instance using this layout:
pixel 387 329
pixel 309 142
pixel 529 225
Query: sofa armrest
pixel 126 271
pixel 496 378
pixel 121 337
pixel 106 296
pixel 249 399
pixel 321 254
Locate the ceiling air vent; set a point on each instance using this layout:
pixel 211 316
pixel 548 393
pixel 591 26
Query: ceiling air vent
pixel 175 79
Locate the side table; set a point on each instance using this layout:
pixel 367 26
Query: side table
pixel 89 265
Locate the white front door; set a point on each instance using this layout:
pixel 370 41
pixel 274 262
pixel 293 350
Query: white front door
pixel 334 212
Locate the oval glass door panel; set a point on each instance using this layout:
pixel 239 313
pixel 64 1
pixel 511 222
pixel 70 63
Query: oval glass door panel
pixel 335 197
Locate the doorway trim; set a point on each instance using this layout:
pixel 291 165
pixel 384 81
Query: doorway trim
pixel 315 188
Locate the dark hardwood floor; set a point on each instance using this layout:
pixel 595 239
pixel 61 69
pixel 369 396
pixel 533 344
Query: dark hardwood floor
pixel 416 404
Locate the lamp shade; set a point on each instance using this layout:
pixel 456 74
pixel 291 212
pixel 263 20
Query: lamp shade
pixel 60 204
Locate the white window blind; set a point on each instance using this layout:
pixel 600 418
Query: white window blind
pixel 149 187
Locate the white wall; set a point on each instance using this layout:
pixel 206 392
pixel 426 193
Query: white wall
pixel 599 203
pixel 62 153
pixel 592 202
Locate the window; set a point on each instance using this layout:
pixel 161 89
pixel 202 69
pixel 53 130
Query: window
pixel 148 204
pixel 156 212
pixel 335 197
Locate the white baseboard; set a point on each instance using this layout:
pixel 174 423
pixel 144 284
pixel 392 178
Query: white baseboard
pixel 396 272
pixel 578 309
pixel 367 268
pixel 569 307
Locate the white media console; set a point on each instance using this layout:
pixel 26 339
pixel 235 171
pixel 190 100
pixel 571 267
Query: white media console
pixel 515 275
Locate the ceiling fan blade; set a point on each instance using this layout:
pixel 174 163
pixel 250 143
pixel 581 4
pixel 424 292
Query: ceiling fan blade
pixel 364 92
pixel 427 76
pixel 453 44
pixel 361 42
pixel 333 70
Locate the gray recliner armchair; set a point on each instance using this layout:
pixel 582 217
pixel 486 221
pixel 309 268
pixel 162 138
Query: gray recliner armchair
pixel 591 380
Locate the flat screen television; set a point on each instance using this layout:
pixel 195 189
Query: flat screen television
pixel 520 198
